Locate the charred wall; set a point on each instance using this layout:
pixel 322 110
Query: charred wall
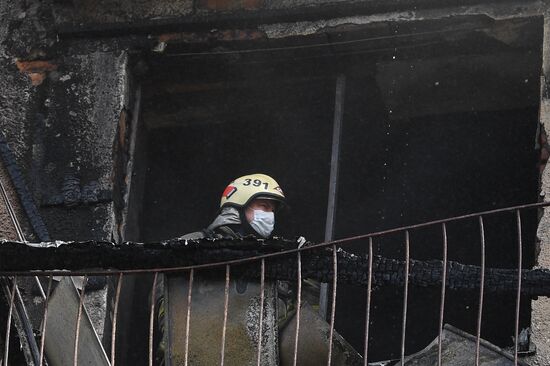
pixel 60 110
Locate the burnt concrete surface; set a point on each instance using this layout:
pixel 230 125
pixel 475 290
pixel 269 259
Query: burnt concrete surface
pixel 55 118
pixel 106 11
pixel 82 17
pixel 17 96
pixel 85 98
pixel 59 113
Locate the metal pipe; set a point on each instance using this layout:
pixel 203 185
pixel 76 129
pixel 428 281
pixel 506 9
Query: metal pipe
pixel 27 326
pixel 260 326
pixel 115 316
pixel 333 179
pixel 367 319
pixel 18 229
pixel 8 323
pixel 20 307
pixel 405 299
pixel 225 311
pixel 78 318
pixel 518 296
pixel 44 320
pixel 188 320
pixel 152 318
pixel 298 306
pixel 481 287
pixel 11 212
pixel 333 307
pixel 443 284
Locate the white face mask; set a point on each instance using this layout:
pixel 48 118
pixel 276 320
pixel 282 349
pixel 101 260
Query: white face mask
pixel 263 223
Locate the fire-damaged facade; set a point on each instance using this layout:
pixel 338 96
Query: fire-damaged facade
pixel 125 120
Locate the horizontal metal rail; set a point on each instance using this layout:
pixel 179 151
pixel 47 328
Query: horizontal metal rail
pixel 110 272
pixel 264 259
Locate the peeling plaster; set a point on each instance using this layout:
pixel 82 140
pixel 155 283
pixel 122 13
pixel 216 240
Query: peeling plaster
pixel 500 12
pixel 282 30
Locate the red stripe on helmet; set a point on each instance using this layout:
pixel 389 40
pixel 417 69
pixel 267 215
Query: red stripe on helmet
pixel 229 191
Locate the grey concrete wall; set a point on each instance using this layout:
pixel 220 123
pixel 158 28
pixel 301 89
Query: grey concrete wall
pixel 541 307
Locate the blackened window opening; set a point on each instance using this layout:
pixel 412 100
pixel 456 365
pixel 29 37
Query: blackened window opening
pixel 429 130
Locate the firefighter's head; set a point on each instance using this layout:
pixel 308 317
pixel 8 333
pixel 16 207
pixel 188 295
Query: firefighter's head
pixel 257 197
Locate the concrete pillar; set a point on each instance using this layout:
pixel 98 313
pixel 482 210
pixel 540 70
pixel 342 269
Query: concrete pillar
pixel 540 323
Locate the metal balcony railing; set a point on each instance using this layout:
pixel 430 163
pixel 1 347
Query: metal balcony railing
pixel 12 292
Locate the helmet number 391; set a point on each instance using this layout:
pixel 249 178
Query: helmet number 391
pixel 243 190
pixel 255 183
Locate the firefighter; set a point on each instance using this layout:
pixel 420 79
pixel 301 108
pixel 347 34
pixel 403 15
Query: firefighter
pixel 247 208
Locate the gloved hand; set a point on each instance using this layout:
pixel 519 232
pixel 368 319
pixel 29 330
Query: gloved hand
pixel 301 241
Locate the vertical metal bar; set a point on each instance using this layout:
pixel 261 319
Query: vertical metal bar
pixel 298 306
pixel 260 327
pixel 44 320
pixel 518 296
pixel 188 320
pixel 135 129
pixel 333 307
pixel 27 327
pixel 367 320
pixel 39 285
pixel 225 310
pixel 78 318
pixel 11 213
pixel 405 298
pixel 443 285
pixel 19 304
pixel 18 229
pixel 8 324
pixel 333 180
pixel 115 315
pixel 481 287
pixel 152 318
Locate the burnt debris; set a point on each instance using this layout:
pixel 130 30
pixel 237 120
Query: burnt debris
pixel 281 263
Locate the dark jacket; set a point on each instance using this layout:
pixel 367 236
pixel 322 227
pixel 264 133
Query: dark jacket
pixel 228 225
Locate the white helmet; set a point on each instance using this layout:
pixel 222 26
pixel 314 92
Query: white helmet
pixel 241 191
